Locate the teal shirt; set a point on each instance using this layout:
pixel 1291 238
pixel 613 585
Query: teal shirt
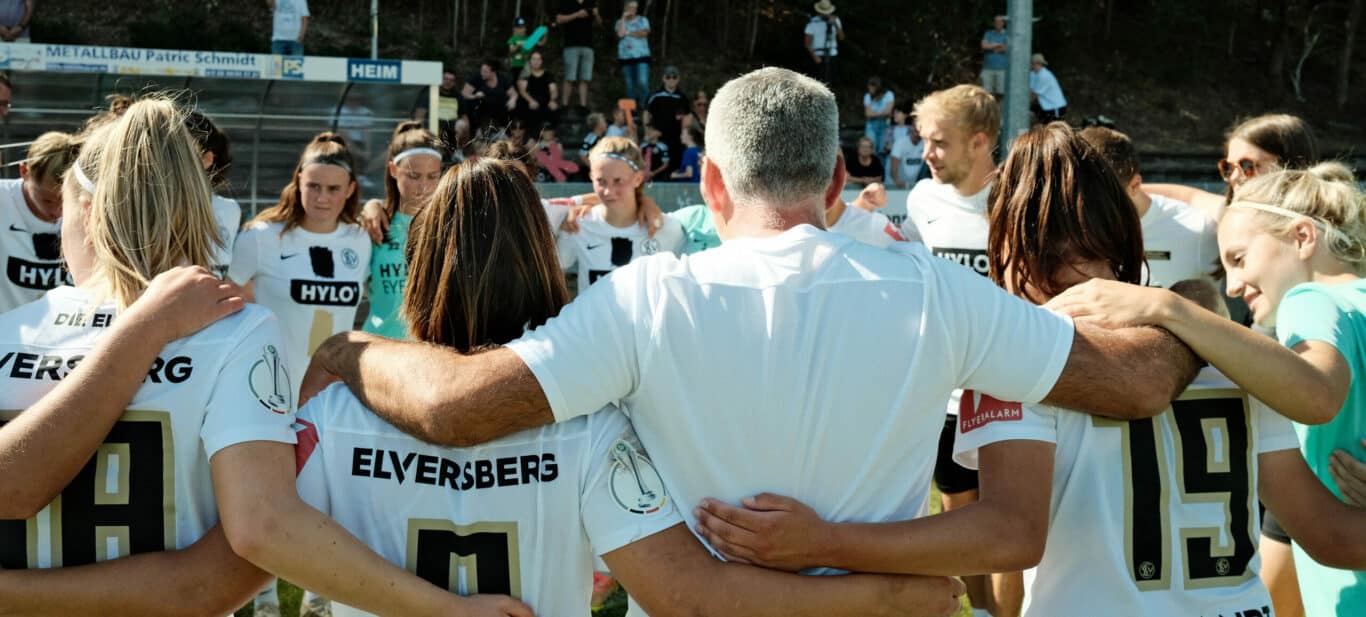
pixel 699 230
pixel 388 274
pixel 1334 314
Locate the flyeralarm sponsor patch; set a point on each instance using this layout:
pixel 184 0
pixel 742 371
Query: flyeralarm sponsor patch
pixel 976 410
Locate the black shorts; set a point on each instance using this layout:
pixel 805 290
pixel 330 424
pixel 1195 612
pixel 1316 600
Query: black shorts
pixel 950 476
pixel 1272 529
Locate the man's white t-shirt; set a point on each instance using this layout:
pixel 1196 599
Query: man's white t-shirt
pixel 817 29
pixel 910 156
pixel 148 488
pixel 228 214
pixel 731 360
pixel 311 281
pixel 953 226
pixel 523 515
pixel 869 227
pixel 1136 505
pixel 599 247
pixel 289 15
pixel 32 250
pixel 1180 242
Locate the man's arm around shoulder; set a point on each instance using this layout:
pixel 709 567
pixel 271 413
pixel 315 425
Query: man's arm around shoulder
pixel 1126 374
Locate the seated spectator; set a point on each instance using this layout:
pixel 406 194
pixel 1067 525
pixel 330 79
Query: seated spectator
pixel 619 128
pixel 597 128
pixel 518 134
pixel 489 96
pixel 864 167
pixel 908 160
pixel 551 166
pixel 656 154
pixel 690 168
pixel 1048 102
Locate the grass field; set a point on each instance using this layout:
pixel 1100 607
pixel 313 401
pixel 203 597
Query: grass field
pixel 615 606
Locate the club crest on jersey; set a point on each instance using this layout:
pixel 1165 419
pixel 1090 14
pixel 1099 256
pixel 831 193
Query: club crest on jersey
pixel 269 381
pixel 636 485
pixel 350 259
pixel 974 413
pixel 650 246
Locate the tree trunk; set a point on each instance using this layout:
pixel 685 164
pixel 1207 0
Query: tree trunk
pixel 455 25
pixel 1345 60
pixel 483 23
pixel 1109 17
pixel 1279 52
pixel 753 26
pixel 664 29
pixel 725 23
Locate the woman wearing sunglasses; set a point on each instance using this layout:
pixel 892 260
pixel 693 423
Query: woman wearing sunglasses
pixel 1256 146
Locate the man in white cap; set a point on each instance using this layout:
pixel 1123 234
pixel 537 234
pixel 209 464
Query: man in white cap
pixel 1048 102
pixel 823 34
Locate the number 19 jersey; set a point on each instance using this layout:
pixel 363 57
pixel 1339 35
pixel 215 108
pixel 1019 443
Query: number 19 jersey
pixel 1149 517
pixel 148 487
pixel 522 515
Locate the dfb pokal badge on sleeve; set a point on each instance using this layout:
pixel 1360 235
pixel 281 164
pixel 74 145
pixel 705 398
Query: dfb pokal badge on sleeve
pixel 635 483
pixel 269 381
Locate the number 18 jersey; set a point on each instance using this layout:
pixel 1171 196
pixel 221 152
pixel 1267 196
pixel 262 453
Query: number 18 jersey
pixel 523 515
pixel 148 487
pixel 1149 517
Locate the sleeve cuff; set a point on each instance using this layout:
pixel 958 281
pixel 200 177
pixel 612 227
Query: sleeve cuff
pixel 535 359
pixel 1053 370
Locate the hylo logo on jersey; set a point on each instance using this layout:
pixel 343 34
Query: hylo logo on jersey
pixel 324 293
pixel 972 258
pixel 269 381
pixel 350 258
pixel 31 275
pixel 974 414
pixel 635 483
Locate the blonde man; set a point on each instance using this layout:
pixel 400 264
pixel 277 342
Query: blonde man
pixel 30 207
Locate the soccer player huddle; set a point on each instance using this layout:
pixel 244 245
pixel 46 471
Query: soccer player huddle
pixel 751 429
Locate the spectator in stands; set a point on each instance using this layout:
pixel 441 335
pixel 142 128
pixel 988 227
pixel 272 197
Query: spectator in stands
pixel 517 51
pixel 690 168
pixel 878 103
pixel 290 26
pixel 518 134
pixel 994 60
pixel 698 117
pixel 6 90
pixel 1048 102
pixel 538 99
pixel 655 153
pixel 666 109
pixel 448 111
pixel 577 17
pixel 823 33
pixel 633 51
pixel 864 167
pixel 14 18
pixel 908 159
pixel 490 96
pixel 619 128
pixel 597 127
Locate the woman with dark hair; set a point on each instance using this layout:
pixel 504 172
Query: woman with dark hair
pixel 216 155
pixel 878 104
pixel 1255 146
pixel 539 98
pixel 1123 504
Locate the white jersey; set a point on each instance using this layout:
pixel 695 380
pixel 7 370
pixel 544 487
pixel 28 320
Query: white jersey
pixel 31 248
pixel 311 281
pixel 523 515
pixel 868 227
pixel 732 359
pixel 148 488
pixel 1180 242
pixel 227 213
pixel 599 248
pixel 555 214
pixel 1149 517
pixel 953 226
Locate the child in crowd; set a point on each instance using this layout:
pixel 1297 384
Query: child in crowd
pixel 690 168
pixel 517 54
pixel 619 127
pixel 656 153
pixel 550 157
pixel 597 127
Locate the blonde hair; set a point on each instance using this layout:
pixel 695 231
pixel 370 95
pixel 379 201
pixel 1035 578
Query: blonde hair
pixel 1325 193
pixel 150 209
pixel 968 106
pixel 51 154
pixel 622 148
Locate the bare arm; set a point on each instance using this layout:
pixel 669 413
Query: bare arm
pixel 433 392
pixel 205 578
pixel 1004 531
pixel 303 27
pixel 670 574
pixel 1126 374
pixel 270 526
pixel 1326 528
pixel 47 444
pixel 1211 204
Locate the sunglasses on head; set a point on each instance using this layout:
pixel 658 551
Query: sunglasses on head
pixel 1247 166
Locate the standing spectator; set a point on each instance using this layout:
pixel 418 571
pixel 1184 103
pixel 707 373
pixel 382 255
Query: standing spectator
pixel 633 51
pixel 489 95
pixel 666 109
pixel 690 168
pixel 14 18
pixel 6 90
pixel 823 34
pixel 864 167
pixel 539 98
pixel 577 18
pixel 1048 102
pixel 517 52
pixel 878 103
pixel 290 27
pixel 994 61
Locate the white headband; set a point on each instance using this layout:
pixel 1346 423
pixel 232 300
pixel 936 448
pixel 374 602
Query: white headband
pixel 613 155
pixel 414 152
pixel 82 179
pixel 324 161
pixel 1252 205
